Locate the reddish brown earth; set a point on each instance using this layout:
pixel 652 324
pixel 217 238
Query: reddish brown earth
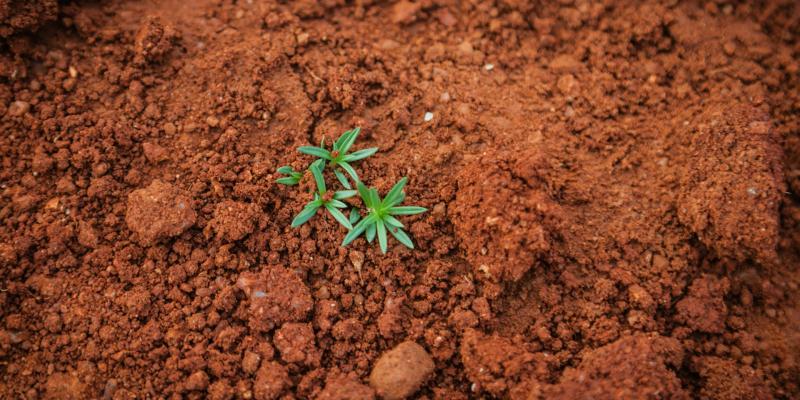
pixel 612 190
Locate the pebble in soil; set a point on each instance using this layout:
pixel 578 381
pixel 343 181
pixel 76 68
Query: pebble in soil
pixel 401 371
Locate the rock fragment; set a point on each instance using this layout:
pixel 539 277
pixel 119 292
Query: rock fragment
pixel 159 211
pixel 400 372
pixel 404 12
pixel 18 108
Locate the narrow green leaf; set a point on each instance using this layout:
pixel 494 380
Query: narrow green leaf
pixel 364 193
pixel 337 203
pixel 319 163
pixel 286 170
pixel 338 143
pixel 406 210
pixel 401 237
pixel 371 233
pixel 354 216
pixel 344 146
pixel 381 235
pixel 338 216
pixel 344 194
pixel 358 229
pixel 297 176
pixel 288 181
pixel 361 154
pixel 342 179
pixel 318 178
pixel 315 151
pixel 304 215
pixel 397 201
pixel 392 221
pixel 394 194
pixel 349 169
pixel 374 198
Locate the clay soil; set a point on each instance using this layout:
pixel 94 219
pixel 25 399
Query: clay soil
pixel 612 191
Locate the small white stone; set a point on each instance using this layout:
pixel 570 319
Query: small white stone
pixel 488 67
pixel 428 116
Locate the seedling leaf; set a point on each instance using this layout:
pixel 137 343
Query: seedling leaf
pixel 308 211
pixel 349 169
pixel 337 145
pixel 358 229
pixel 361 154
pixel 374 198
pixel 315 170
pixel 337 203
pixel 364 193
pixel 406 210
pixel 338 215
pixel 395 193
pixel 392 221
pixel 344 194
pixel 370 233
pixel 381 235
pixel 342 179
pixel 288 181
pixel 354 216
pixel 345 145
pixel 315 151
pixel 401 237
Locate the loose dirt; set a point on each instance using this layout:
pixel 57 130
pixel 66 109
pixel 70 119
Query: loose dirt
pixel 612 190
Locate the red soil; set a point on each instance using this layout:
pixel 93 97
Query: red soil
pixel 612 191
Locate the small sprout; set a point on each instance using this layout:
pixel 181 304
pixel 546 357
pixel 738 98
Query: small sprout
pixel 324 199
pixel 293 178
pixel 338 156
pixel 381 216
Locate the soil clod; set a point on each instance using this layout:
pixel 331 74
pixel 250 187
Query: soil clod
pixel 401 371
pixel 159 211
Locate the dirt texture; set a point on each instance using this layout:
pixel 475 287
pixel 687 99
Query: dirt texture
pixel 25 15
pixel 612 190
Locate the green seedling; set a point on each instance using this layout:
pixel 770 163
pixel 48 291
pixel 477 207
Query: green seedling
pixel 338 156
pixel 331 201
pixel 381 216
pixel 293 178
